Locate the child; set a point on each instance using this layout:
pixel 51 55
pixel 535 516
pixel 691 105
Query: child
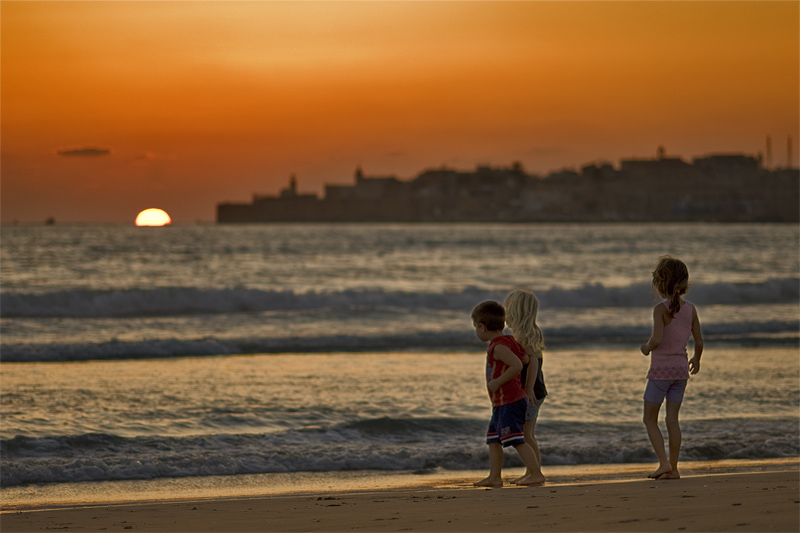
pixel 503 365
pixel 522 306
pixel 673 321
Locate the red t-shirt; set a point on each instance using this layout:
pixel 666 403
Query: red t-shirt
pixel 512 390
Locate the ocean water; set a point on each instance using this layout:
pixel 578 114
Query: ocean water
pixel 202 350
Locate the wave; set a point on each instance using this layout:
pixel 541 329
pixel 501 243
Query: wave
pixel 177 301
pixel 164 348
pixel 769 333
pixel 377 444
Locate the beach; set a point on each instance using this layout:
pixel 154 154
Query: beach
pixel 320 377
pixel 758 497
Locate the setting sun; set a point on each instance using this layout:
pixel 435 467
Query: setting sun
pixel 153 217
pixel 108 106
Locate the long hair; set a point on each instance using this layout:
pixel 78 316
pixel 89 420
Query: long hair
pixel 671 280
pixel 522 306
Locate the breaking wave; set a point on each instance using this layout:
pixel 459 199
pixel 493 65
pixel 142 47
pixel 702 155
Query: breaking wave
pixel 375 444
pixel 177 301
pixel 769 333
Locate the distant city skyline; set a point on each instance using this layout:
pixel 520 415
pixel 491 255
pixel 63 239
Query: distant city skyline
pixel 713 188
pixel 293 182
pixel 109 108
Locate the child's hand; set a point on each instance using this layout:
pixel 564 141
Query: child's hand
pixel 694 365
pixel 532 399
pixel 493 385
pixel 645 349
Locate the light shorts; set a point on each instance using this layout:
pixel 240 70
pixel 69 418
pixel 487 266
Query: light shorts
pixel 532 413
pixel 657 389
pixel 506 424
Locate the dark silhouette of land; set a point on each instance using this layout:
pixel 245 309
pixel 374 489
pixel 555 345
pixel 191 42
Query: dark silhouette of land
pixel 719 188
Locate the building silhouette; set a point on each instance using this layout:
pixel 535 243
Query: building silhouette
pixel 720 187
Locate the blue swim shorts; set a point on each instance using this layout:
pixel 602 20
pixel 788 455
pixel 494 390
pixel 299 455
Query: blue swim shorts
pixel 532 412
pixel 658 389
pixel 506 424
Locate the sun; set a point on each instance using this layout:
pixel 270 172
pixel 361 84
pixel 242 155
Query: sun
pixel 153 217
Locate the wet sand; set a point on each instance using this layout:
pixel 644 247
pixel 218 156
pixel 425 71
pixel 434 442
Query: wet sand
pixel 707 501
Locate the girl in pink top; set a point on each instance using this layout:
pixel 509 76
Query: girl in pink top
pixel 674 320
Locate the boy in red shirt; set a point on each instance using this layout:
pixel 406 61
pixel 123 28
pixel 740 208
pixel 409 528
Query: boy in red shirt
pixel 504 359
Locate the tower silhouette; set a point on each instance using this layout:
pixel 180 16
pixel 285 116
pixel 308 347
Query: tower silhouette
pixel 769 153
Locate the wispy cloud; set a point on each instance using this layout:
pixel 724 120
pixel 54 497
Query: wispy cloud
pixel 88 151
pixel 152 156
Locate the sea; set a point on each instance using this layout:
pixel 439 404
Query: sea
pixel 203 352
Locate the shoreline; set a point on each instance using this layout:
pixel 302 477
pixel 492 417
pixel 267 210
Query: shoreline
pixel 92 493
pixel 64 495
pixel 759 497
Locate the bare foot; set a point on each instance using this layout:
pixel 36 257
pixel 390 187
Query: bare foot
pixel 660 472
pixel 521 477
pixel 530 480
pixel 673 474
pixel 489 482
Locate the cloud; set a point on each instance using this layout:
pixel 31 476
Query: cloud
pixel 152 156
pixel 88 151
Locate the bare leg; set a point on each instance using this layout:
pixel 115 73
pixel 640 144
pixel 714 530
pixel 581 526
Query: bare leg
pixel 674 430
pixel 656 438
pixel 527 430
pixel 533 475
pixel 534 443
pixel 495 467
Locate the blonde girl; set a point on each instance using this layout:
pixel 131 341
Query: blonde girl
pixel 522 307
pixel 674 320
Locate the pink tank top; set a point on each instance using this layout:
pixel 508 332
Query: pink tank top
pixel 670 359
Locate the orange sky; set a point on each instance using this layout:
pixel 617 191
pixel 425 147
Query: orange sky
pixel 202 102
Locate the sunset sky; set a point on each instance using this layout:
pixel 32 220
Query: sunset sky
pixel 108 108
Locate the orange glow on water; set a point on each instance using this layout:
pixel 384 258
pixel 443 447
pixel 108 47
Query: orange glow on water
pixel 153 217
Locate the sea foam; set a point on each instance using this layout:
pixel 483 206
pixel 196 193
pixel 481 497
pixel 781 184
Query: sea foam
pixel 176 301
pixel 386 444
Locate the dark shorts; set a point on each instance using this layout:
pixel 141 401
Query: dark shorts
pixel 658 389
pixel 506 424
pixel 532 412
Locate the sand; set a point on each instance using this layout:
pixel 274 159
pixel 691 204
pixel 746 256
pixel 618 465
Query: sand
pixel 740 501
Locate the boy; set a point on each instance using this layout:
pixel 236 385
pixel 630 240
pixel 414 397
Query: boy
pixel 503 364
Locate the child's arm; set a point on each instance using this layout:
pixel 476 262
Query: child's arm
pixel 694 362
pixel 659 318
pixel 533 371
pixel 513 363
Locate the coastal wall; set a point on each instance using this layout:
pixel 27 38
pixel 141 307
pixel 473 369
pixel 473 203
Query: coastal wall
pixel 716 188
